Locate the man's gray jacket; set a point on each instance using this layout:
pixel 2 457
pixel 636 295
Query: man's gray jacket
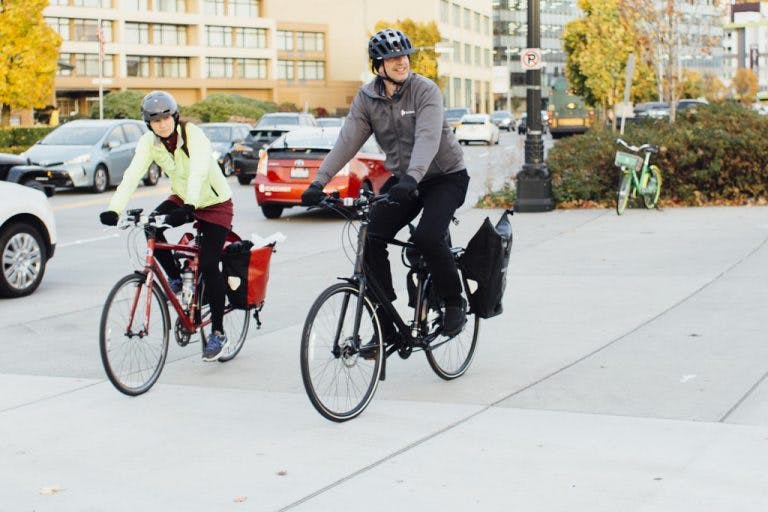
pixel 410 127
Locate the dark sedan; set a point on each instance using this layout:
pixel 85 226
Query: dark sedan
pixel 16 169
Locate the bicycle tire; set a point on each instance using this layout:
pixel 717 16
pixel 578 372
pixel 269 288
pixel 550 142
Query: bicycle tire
pixel 651 199
pixel 133 364
pixel 340 384
pixel 625 188
pixel 236 322
pixel 451 358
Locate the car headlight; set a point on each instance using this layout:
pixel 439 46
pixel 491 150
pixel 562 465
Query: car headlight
pixel 79 159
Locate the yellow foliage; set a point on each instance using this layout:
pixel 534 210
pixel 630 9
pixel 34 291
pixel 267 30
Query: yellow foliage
pixel 28 56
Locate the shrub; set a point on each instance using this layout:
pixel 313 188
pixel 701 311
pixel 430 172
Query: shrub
pixel 16 140
pixel 718 154
pixel 121 105
pixel 225 107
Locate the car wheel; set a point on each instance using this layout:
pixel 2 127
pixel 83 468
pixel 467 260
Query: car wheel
pixel 243 180
pixel 272 211
pixel 229 166
pixel 100 180
pixel 22 260
pixel 152 176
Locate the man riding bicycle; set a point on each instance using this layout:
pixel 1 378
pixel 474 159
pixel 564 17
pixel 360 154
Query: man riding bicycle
pixel 404 110
pixel 200 192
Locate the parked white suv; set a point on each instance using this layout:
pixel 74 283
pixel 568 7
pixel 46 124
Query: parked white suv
pixel 27 238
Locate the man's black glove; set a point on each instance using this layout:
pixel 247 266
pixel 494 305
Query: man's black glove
pixel 313 195
pixel 403 190
pixel 108 218
pixel 180 215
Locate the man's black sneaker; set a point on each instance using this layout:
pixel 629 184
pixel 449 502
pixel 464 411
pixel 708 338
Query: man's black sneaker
pixel 454 319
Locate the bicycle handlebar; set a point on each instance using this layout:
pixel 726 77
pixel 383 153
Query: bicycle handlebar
pixel 134 218
pixel 651 148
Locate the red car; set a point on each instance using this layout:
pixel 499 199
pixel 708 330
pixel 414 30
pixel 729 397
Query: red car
pixel 290 163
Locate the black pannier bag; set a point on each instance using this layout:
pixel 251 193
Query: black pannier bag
pixel 485 263
pixel 246 271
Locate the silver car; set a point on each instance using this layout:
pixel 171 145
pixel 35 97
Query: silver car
pixel 90 153
pixel 223 136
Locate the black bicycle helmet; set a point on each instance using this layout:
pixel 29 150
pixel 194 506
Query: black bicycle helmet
pixel 157 104
pixel 388 43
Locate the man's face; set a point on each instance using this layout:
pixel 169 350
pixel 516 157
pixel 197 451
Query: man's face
pixel 163 126
pixel 397 68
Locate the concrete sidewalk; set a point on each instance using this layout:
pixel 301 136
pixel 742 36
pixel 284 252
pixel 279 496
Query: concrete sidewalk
pixel 628 373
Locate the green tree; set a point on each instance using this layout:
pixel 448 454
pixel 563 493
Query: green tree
pixel 121 105
pixel 423 37
pixel 226 107
pixel 744 85
pixel 597 48
pixel 28 56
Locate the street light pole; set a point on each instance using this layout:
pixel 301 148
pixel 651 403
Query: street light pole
pixel 534 183
pixel 509 82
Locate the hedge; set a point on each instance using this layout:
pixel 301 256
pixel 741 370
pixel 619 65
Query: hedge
pixel 718 154
pixel 16 140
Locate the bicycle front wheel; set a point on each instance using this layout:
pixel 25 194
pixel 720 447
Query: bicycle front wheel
pixel 652 188
pixel 236 322
pixel 625 187
pixel 133 354
pixel 450 358
pixel 340 381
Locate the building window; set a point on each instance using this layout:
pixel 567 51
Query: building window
pixel 105 4
pixel 85 30
pixel 467 54
pixel 245 8
pixel 309 41
pixel 468 95
pixel 171 67
pixel 60 25
pixel 467 19
pixel 486 24
pixel 219 67
pixel 174 35
pixel 137 65
pixel 311 70
pixel 66 60
pixel 214 7
pixel 87 64
pixel 285 70
pixel 59 2
pixel 252 68
pixel 250 37
pixel 135 5
pixel 456 51
pixel 477 22
pixel 137 33
pixel 456 18
pixel 445 10
pixel 477 62
pixel 170 5
pixel 284 40
pixel 218 36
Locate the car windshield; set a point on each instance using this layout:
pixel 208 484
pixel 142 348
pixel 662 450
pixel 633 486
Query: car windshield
pixel 320 139
pixel 268 121
pixel 216 133
pixel 74 136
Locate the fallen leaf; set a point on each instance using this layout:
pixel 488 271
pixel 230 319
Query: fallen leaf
pixel 51 490
pixel 240 499
pixel 282 472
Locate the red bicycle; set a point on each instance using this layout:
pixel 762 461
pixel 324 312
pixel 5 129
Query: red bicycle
pixel 135 321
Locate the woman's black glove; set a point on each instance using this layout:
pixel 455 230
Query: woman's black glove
pixel 180 215
pixel 108 218
pixel 403 190
pixel 313 195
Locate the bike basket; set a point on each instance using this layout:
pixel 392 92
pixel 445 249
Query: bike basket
pixel 628 161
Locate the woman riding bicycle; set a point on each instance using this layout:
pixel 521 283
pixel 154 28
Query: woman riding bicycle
pixel 404 111
pixel 200 192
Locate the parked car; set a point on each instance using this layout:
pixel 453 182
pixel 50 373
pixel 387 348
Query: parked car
pixel 328 122
pixel 652 109
pixel 690 105
pixel 503 119
pixel 245 155
pixel 477 128
pixel 453 116
pixel 223 136
pixel 288 166
pixel 15 169
pixel 90 153
pixel 27 238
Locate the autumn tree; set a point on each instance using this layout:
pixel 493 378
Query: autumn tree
pixel 597 48
pixel 423 37
pixel 28 56
pixel 744 85
pixel 713 88
pixel 691 84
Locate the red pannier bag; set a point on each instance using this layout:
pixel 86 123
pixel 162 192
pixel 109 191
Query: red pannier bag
pixel 246 273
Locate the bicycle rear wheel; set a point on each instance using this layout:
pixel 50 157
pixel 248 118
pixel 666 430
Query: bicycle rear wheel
pixel 651 198
pixel 450 358
pixel 625 187
pixel 338 380
pixel 236 322
pixel 133 354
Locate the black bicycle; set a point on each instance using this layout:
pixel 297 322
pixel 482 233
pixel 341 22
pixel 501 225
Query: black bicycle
pixel 342 355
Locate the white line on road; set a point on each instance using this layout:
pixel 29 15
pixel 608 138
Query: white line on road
pixel 88 240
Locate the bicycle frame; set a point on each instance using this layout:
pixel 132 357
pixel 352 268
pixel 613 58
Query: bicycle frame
pixel 637 180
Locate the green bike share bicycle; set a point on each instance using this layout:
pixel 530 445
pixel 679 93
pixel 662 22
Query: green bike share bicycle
pixel 638 176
